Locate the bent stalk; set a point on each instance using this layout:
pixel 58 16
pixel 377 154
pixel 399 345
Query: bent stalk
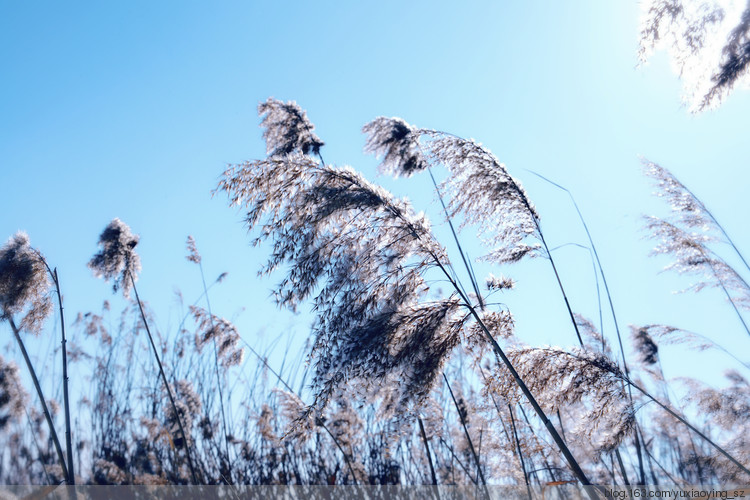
pixel 35 380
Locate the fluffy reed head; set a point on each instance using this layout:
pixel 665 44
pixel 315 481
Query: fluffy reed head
pixel 645 346
pixel 397 143
pixel 707 41
pixel 479 185
pixel 24 283
pixel 581 381
pixel 287 129
pixel 220 331
pixel 193 255
pixel 692 255
pixel 117 259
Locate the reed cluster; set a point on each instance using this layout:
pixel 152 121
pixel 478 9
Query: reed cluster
pixel 403 384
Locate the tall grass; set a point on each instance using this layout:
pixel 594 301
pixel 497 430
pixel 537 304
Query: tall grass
pixel 406 386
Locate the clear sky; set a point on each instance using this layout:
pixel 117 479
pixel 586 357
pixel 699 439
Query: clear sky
pixel 133 110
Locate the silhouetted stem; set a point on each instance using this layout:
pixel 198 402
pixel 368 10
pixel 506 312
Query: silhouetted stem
pixel 66 401
pixel 611 307
pixel 622 467
pixel 35 380
pixel 427 451
pixel 166 383
pixel 216 365
pixel 466 432
pixel 469 270
pixel 518 448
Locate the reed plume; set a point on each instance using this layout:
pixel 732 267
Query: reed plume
pixel 361 254
pixel 287 129
pixel 582 380
pixel 707 41
pixel 24 284
pixel 117 260
pixel 688 210
pixel 693 256
pixel 479 188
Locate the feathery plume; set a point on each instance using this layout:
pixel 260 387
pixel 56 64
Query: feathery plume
pixel 24 283
pixel 587 381
pixel 647 349
pixel 707 42
pixel 287 129
pixel 481 189
pixel 499 282
pixel 363 253
pixel 223 332
pixel 193 255
pixel 500 325
pixel 479 186
pixel 117 259
pixel 694 257
pixel 13 399
pixel 734 63
pixel 294 411
pixel 397 143
pixel 689 210
pixel 591 337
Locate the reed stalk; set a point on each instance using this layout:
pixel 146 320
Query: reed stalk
pixel 40 394
pixel 71 480
pixel 166 382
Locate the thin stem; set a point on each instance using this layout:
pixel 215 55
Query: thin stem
pixel 458 460
pixel 466 432
pixel 507 435
pixel 622 467
pixel 166 383
pixel 469 270
pixel 338 445
pixel 216 365
pixel 71 477
pixel 609 299
pixel 66 401
pixel 557 277
pixel 518 448
pixel 427 451
pixel 38 387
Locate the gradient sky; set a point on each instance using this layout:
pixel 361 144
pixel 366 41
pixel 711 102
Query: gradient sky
pixel 133 110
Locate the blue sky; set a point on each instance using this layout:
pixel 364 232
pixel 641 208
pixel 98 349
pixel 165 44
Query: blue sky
pixel 134 109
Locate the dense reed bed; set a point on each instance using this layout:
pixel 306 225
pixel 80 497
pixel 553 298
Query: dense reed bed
pixel 402 384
